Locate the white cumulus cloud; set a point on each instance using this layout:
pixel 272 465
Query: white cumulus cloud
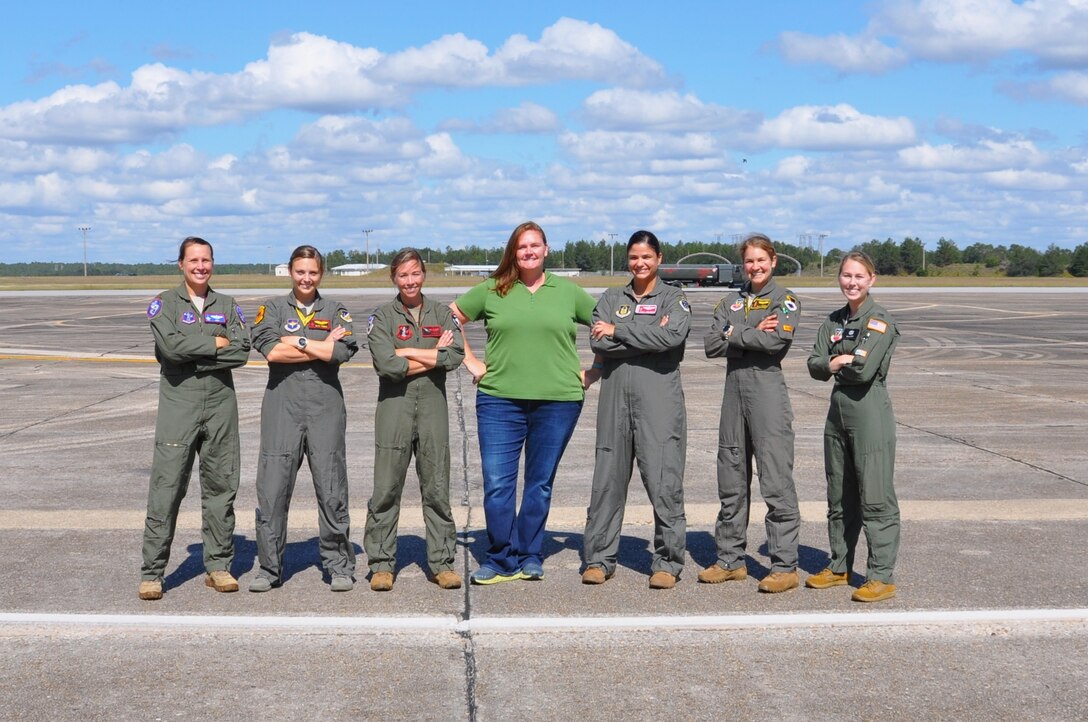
pixel 834 127
pixel 627 109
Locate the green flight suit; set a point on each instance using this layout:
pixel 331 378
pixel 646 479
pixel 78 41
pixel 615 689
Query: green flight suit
pixel 411 418
pixel 640 417
pixel 303 413
pixel 859 437
pixel 756 420
pixel 198 414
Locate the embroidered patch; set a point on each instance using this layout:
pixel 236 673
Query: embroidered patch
pixel 851 333
pixel 154 307
pixel 431 331
pixel 188 317
pixel 861 352
pixel 241 316
pixel 292 325
pixel 790 304
pixel 685 305
pixel 370 324
pixel 875 324
pixel 737 305
pixel 646 309
pixel 219 318
pixel 260 316
pixel 321 324
pixel 761 304
pixel 345 316
pixel 787 328
pixel 836 336
pixel 623 311
pixel 456 322
pixel 404 332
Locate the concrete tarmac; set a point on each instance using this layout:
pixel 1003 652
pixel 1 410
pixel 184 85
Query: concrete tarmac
pixel 990 620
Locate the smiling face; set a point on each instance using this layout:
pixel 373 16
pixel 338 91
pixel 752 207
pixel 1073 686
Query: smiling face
pixel 759 265
pixel 855 280
pixel 409 278
pixel 642 262
pixel 305 277
pixel 196 267
pixel 531 252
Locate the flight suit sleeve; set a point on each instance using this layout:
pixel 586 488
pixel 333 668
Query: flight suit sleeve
pixel 235 353
pixel 379 337
pixel 714 343
pixel 173 345
pixel 869 355
pixel 654 338
pixel 450 357
pixel 348 346
pixel 266 330
pixel 607 346
pixel 819 361
pixel 750 338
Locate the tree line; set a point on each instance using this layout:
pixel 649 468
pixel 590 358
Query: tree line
pixel 907 257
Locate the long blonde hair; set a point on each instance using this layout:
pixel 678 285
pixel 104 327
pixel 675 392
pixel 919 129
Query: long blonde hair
pixel 507 273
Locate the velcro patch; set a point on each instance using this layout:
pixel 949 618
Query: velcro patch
pixel 645 309
pixel 320 324
pixel 154 307
pixel 431 331
pixel 787 328
pixel 259 317
pixel 404 332
pixel 219 318
pixel 875 324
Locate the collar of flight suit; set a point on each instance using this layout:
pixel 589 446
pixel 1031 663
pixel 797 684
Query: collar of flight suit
pixel 863 310
pixel 318 300
pixel 629 289
pixel 183 294
pixel 424 306
pixel 768 288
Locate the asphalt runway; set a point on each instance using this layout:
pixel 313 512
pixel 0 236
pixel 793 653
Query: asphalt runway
pixel 991 619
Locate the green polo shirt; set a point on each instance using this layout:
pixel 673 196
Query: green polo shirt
pixel 531 348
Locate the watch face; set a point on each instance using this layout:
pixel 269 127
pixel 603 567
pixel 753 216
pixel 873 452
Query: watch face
pixel 302 343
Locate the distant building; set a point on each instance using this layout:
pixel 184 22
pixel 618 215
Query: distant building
pixel 283 270
pixel 357 269
pixel 466 269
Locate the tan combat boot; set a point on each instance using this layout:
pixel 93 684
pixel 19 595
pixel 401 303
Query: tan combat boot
pixel 777 582
pixel 595 575
pixel 874 591
pixel 716 574
pixel 448 579
pixel 662 580
pixel 381 581
pixel 151 590
pixel 826 579
pixel 221 581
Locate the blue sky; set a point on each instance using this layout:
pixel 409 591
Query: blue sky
pixel 447 124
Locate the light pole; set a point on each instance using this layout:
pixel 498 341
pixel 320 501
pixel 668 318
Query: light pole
pixel 923 256
pixel 84 229
pixel 368 231
pixel 822 237
pixel 612 254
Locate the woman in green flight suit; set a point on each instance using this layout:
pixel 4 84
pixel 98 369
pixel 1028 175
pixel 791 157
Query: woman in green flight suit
pixel 855 345
pixel 413 343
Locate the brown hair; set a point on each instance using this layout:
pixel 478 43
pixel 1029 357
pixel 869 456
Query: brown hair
pixel 307 252
pixel 507 272
pixel 860 257
pixel 757 240
pixel 406 255
pixel 193 241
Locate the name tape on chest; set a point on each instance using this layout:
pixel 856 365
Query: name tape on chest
pixel 431 331
pixel 216 318
pixel 320 324
pixel 646 309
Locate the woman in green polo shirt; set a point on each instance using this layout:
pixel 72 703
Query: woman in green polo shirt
pixel 529 396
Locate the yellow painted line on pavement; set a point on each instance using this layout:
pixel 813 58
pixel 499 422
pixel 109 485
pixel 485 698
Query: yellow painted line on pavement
pixel 573 518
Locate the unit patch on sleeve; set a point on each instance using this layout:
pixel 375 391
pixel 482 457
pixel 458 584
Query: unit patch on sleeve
pixel 685 305
pixel 370 324
pixel 345 316
pixel 260 316
pixel 154 307
pixel 790 304
pixel 875 324
pixel 241 316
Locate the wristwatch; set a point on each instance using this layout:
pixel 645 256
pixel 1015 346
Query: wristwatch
pixel 727 331
pixel 301 342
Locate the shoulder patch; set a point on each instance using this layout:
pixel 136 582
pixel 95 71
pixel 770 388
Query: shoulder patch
pixel 154 307
pixel 737 305
pixel 345 316
pixel 790 304
pixel 370 324
pixel 685 305
pixel 875 324
pixel 260 316
pixel 241 316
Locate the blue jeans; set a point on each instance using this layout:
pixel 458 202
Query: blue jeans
pixel 543 429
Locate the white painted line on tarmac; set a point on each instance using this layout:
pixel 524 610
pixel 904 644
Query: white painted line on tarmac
pixel 552 624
